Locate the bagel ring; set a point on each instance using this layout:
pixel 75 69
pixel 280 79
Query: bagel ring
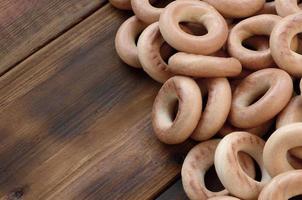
pixel 197 12
pixel 121 4
pixel 231 175
pixel 280 40
pixel 197 162
pixel 217 108
pixel 203 66
pixel 237 9
pixel 274 85
pixel 277 147
pixel 186 93
pixel 283 186
pixel 125 41
pixel 148 45
pixel 256 25
pixel 287 7
pixel 145 11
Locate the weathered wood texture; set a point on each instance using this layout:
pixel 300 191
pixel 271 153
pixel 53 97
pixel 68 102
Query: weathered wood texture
pixel 27 25
pixel 75 122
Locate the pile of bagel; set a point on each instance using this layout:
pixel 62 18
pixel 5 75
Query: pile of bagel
pixel 230 71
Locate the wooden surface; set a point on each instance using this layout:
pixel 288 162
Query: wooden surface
pixel 27 25
pixel 74 120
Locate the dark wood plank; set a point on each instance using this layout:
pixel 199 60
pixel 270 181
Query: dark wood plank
pixel 27 25
pixel 75 122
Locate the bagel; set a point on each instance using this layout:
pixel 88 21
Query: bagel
pixel 228 169
pixel 197 12
pixel 184 92
pixel 274 89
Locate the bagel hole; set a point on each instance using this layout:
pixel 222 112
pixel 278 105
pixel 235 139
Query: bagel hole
pixel 204 101
pixel 297 86
pixel 136 39
pixel 257 96
pixel 299 48
pixel 193 28
pixel 159 3
pixel 298 197
pixel 212 181
pixel 299 3
pixel 166 51
pixel 254 43
pixel 258 171
pixel 294 161
pixel 168 107
pixel 203 88
pixel 175 110
pixel 258 174
pixel 172 109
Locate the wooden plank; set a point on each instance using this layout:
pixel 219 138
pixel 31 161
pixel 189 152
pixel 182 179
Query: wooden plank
pixel 75 122
pixel 26 26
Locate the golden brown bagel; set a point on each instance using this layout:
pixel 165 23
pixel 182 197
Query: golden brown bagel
pixel 186 93
pixel 277 147
pixel 125 41
pixel 283 186
pixel 274 86
pixel 203 66
pixel 198 12
pixel 149 45
pixel 198 161
pixel 228 169
pixel 280 40
pixel 256 25
pixel 219 98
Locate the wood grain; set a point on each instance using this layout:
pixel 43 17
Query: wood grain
pixel 75 122
pixel 27 25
